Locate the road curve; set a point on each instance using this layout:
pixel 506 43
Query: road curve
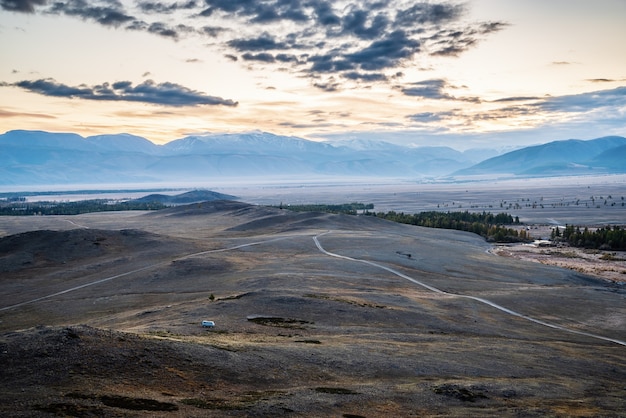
pixel 321 249
pixel 478 299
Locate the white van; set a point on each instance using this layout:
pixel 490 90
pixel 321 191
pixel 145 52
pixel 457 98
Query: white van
pixel 209 324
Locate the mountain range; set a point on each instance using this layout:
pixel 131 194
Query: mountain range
pixel 570 157
pixel 45 158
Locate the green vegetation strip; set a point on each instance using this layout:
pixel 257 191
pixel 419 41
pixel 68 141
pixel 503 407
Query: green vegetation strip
pixel 346 208
pixel 606 238
pixel 485 224
pixel 73 208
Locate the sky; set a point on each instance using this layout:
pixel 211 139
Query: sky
pixel 473 74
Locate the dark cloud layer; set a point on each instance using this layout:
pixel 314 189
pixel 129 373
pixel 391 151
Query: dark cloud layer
pixel 429 13
pixel 259 11
pixel 107 13
pixel 434 89
pixel 166 94
pixel 427 89
pixel 24 6
pixel 386 52
pixel 360 41
pixel 112 13
pixel 265 42
pixel 583 102
pixel 165 8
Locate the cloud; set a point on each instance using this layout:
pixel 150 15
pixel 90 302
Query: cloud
pixel 263 57
pixel 324 13
pixel 265 42
pixel 24 6
pixel 212 31
pixel 165 94
pixel 584 102
pixel 426 117
pixel 433 13
pixel 451 43
pixel 592 109
pixel 517 99
pixel 9 114
pixel 258 11
pixel 386 52
pixel 112 13
pixel 427 89
pixel 492 27
pixel 287 58
pixel 161 29
pixel 379 55
pixel 315 124
pixel 605 80
pixel 358 22
pixel 329 63
pixel 354 40
pixel 455 41
pixel 107 13
pixel 355 75
pixel 510 114
pixel 329 85
pixel 434 89
pixel 165 8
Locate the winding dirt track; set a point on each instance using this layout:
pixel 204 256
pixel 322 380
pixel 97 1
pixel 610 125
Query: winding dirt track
pixel 481 300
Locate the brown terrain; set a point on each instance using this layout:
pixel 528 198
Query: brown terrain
pixel 608 265
pixel 316 315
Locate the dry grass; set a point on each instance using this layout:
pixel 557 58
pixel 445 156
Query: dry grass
pixel 610 266
pixel 335 337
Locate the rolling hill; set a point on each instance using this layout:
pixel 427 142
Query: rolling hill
pixel 185 198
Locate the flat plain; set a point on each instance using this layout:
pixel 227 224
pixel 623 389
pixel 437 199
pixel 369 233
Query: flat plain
pixel 316 314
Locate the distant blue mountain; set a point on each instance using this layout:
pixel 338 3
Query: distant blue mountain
pixel 37 140
pixel 252 143
pixel 613 159
pixel 123 143
pixel 36 157
pixel 44 158
pixel 568 157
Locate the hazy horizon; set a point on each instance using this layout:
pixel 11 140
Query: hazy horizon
pixel 341 140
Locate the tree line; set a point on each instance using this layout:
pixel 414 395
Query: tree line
pixel 491 227
pixel 74 208
pixel 485 224
pixel 346 208
pixel 605 238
